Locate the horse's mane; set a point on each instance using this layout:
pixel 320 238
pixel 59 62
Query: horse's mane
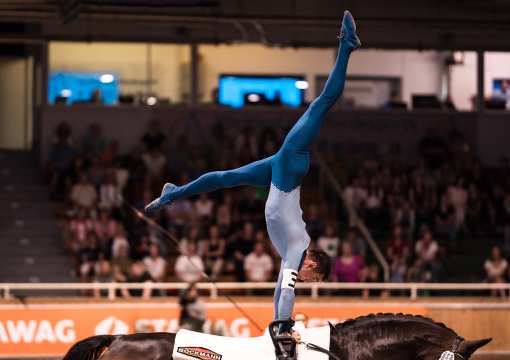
pixel 383 317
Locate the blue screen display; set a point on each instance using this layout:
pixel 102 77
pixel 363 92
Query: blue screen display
pixel 79 86
pixel 233 89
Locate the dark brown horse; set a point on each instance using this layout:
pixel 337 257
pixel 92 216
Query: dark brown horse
pixel 373 337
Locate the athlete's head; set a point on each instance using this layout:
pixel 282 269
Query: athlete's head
pixel 316 266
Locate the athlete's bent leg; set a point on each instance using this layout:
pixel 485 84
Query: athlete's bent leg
pixel 257 173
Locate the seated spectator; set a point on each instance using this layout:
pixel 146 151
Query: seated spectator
pixel 84 194
pixel 458 197
pixel 357 242
pixel 204 207
pixel 314 222
pixel 193 236
pixel 87 257
pixel 189 266
pixel 329 242
pixel 427 248
pixel 180 214
pixel 61 157
pixel 103 274
pixel 371 274
pixel 155 163
pixel 137 274
pixel 348 266
pixel 398 270
pixel 119 240
pixel 109 193
pixel 105 229
pixel 78 230
pixel 93 141
pixel 397 247
pixel 155 264
pixel 418 272
pixel 193 312
pixel 405 216
pixel 214 252
pixel 258 265
pixel 250 206
pixel 496 268
pixel 238 247
pixel 224 218
pixel 153 138
pixel 121 264
pixel 445 220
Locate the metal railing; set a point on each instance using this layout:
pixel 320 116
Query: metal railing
pixel 214 289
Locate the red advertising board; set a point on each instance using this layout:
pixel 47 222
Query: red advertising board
pixel 50 329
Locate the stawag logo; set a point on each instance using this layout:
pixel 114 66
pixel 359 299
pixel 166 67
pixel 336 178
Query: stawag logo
pixel 199 353
pixel 111 326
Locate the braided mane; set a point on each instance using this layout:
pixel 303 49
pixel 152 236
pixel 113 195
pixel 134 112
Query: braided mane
pixel 374 318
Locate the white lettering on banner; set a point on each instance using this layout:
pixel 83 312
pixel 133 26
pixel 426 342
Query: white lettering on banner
pixel 37 332
pixel 64 330
pixel 20 330
pixel 237 331
pixel 3 334
pixel 45 333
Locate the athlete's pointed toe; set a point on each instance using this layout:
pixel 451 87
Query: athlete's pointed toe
pixel 348 33
pixel 153 206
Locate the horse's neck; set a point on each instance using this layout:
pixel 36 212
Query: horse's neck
pixel 349 346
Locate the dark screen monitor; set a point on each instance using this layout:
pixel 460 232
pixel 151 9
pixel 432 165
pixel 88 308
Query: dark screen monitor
pixel 426 102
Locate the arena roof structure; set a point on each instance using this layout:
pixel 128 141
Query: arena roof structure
pixel 431 24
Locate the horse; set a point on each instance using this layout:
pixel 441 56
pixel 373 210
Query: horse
pixel 371 337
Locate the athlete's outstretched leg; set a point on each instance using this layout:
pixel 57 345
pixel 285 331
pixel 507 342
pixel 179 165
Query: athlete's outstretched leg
pixel 257 173
pixel 306 129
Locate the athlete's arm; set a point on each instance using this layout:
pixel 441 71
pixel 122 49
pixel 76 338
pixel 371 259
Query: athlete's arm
pixel 284 292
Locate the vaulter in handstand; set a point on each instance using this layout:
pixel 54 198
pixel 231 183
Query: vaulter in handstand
pixel 284 172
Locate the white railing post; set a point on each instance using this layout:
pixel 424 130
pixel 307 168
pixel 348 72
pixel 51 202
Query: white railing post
pixel 213 293
pixel 315 291
pixel 111 291
pixel 7 292
pixel 414 292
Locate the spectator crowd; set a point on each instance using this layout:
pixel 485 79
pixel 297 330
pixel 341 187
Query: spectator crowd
pixel 420 212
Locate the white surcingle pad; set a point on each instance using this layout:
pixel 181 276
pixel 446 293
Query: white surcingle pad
pixel 190 345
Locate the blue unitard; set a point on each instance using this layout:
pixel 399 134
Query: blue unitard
pixel 283 172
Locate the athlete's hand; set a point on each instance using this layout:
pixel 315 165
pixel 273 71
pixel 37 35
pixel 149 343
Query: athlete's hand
pixel 296 336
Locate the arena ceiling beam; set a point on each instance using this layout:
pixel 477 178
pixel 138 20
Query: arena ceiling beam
pixel 432 24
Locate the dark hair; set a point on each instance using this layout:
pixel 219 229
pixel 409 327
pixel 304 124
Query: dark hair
pixel 322 263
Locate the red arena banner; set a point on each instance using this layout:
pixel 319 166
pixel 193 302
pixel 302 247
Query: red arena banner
pixel 50 329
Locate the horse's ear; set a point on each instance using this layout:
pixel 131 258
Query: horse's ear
pixel 467 348
pixel 331 326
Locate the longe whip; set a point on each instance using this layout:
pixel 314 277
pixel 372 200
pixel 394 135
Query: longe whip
pixel 169 235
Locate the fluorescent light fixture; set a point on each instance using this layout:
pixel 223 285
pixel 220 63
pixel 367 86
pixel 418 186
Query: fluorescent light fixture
pixel 66 93
pixel 106 78
pixel 151 100
pixel 253 98
pixel 301 84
